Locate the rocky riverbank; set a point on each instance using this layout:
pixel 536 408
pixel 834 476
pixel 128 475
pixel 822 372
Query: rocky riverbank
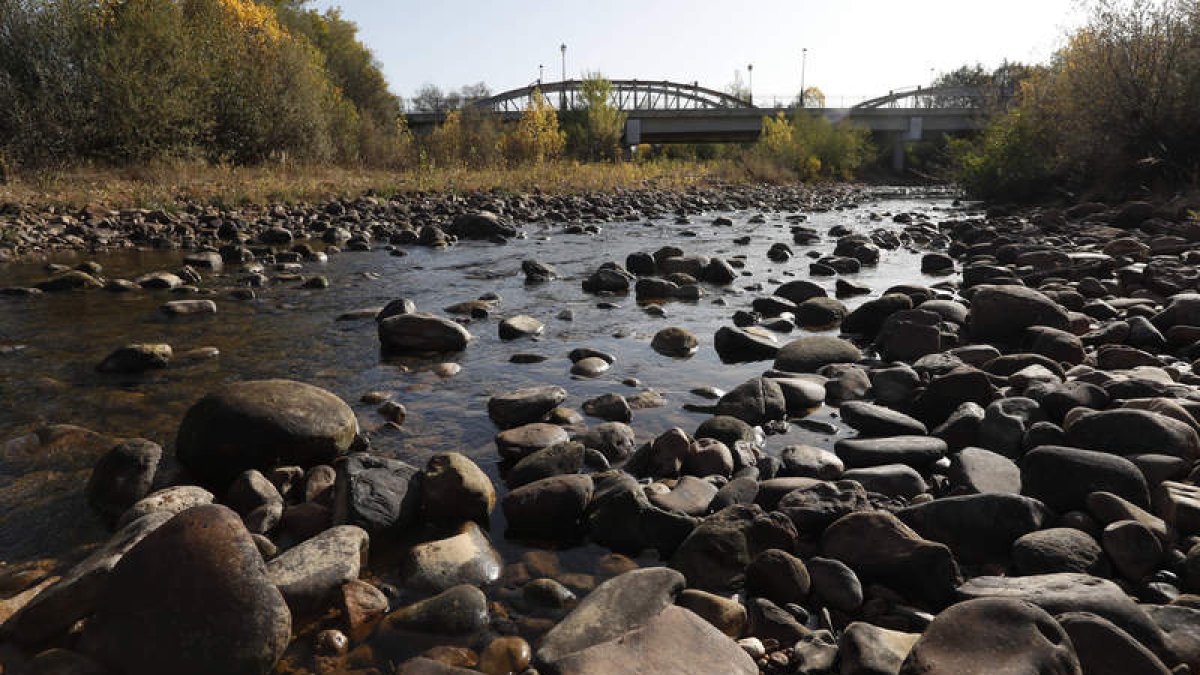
pixel 29 232
pixel 999 473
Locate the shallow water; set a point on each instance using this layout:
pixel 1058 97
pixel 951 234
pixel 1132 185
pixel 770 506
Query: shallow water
pixel 288 332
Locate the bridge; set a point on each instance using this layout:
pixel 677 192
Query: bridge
pixel 672 112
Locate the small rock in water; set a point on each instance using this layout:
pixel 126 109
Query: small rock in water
pixel 189 307
pixel 393 412
pixel 675 342
pixel 447 369
pixel 592 366
pixel 137 358
pixel 520 326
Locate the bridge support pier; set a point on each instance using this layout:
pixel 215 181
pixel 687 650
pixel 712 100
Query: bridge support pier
pixel 899 146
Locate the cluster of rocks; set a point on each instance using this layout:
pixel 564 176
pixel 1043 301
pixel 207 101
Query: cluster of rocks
pixel 354 223
pixel 1011 487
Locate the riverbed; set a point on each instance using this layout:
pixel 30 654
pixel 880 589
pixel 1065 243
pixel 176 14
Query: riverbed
pixel 51 344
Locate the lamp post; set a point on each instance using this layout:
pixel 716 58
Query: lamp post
pixel 750 86
pixel 562 94
pixel 803 66
pixel 540 73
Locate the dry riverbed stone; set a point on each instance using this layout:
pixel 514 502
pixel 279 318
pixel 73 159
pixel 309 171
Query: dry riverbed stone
pixel 992 635
pixel 260 425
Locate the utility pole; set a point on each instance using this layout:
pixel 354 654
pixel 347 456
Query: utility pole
pixel 562 94
pixel 803 66
pixel 750 86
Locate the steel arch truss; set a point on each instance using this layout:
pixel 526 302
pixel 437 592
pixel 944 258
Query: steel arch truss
pixel 625 95
pixel 928 97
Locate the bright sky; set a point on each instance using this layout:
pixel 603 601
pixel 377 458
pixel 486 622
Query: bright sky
pixel 856 48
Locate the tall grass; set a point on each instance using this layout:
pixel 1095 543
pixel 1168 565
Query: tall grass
pixel 175 184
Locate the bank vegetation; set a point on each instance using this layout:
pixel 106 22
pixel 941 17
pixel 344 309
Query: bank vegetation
pixel 1115 112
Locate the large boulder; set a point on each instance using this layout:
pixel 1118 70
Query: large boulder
pixel 74 597
pixel 1066 592
pixel 882 549
pixel 1127 431
pixel 808 354
pixel 1062 477
pixel 1105 649
pixel 612 609
pixel 1002 313
pixel 980 527
pixel 676 641
pixel 192 597
pixel 1020 638
pixel 262 424
pixel 419 332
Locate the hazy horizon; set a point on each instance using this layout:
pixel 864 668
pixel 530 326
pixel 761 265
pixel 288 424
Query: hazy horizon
pixel 855 49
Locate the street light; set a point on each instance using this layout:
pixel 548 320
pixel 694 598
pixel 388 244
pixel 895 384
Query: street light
pixel 562 94
pixel 540 73
pixel 750 86
pixel 803 65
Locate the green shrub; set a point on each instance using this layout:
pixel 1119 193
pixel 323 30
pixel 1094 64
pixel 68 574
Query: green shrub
pixel 808 146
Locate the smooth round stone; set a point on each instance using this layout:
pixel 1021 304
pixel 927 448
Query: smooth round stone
pixel 808 354
pixel 875 420
pixel 460 610
pixel 1105 649
pixel 1134 548
pixel 189 307
pixel 310 574
pixel 260 424
pixel 419 332
pixel 811 462
pixel 549 594
pixel 1060 549
pixel 520 326
pixel 915 451
pixel 1023 638
pixel 516 444
pixel 203 560
pixel 455 489
pixel 835 584
pixel 122 476
pixel 505 655
pixel 592 366
pixel 524 405
pixel 137 358
pixel 465 558
pixel 675 342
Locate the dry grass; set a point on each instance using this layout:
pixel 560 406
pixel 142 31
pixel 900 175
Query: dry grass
pixel 171 185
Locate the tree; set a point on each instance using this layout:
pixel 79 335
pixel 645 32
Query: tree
pixel 813 98
pixel 470 93
pixel 596 126
pixel 429 98
pixel 537 136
